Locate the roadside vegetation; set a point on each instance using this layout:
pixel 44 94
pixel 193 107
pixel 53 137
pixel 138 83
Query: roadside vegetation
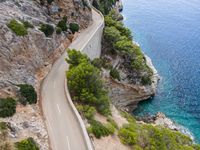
pixel 85 83
pixel 27 94
pixel 88 92
pixel 90 97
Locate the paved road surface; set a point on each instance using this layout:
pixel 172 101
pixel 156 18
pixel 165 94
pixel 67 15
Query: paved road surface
pixel 63 128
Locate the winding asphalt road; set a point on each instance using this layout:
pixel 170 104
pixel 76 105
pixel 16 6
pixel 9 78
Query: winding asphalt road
pixel 63 127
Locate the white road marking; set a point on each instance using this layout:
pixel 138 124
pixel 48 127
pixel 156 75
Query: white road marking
pixel 68 145
pixel 58 109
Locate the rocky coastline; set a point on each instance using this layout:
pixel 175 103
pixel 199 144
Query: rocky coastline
pixel 124 94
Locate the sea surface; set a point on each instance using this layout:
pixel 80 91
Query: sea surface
pixel 169 32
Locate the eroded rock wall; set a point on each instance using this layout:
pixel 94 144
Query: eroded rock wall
pixel 22 56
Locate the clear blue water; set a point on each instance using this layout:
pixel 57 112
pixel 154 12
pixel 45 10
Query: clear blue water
pixel 169 32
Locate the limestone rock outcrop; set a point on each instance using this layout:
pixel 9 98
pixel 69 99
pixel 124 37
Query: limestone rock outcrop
pixel 125 95
pixel 22 56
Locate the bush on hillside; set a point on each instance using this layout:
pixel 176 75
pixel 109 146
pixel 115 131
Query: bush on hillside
pixel 17 28
pixel 28 94
pixel 98 62
pixel 7 107
pixel 63 24
pixel 75 58
pixel 85 82
pixel 58 30
pixel 104 5
pixel 87 111
pixel 86 86
pixel 112 122
pixel 153 137
pixel 49 1
pixel 114 73
pixel 47 29
pixel 99 130
pixel 27 144
pixel 74 27
pixel 111 35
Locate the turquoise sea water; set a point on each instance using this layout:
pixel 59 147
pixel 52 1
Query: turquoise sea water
pixel 169 32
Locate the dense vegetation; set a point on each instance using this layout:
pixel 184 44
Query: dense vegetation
pixel 100 130
pixel 28 94
pixel 62 24
pixel 17 27
pixel 88 93
pixel 85 82
pixel 47 29
pixel 74 27
pixel 148 137
pixel 104 5
pixel 118 41
pixel 7 107
pixel 27 144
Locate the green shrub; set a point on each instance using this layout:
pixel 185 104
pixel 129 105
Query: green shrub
pixel 115 74
pixel 111 35
pixel 62 24
pixel 104 5
pixel 88 111
pixel 28 94
pixel 110 128
pixel 49 1
pixel 64 18
pixel 127 136
pixel 27 24
pixel 27 144
pixel 124 46
pixel 146 80
pixel 85 82
pixel 75 58
pixel 86 86
pixel 112 122
pixel 74 27
pixel 129 117
pixel 58 30
pixel 7 107
pixel 143 136
pixel 98 129
pixel 47 29
pixel 98 62
pixel 17 28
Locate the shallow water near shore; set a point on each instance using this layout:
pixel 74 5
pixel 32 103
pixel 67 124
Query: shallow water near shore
pixel 169 33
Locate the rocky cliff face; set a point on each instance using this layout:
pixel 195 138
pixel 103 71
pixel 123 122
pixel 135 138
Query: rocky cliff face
pixel 126 96
pixel 22 56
